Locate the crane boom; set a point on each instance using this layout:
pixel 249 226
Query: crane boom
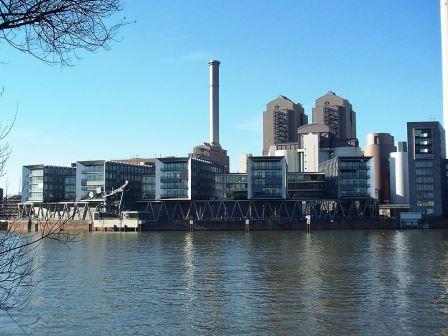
pixel 118 190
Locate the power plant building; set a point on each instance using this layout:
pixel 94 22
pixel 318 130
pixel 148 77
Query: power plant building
pixel 379 146
pixel 212 151
pixel 316 144
pixel 280 122
pixel 337 113
pixel 399 175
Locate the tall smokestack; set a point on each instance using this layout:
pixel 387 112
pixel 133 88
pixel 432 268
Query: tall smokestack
pixel 214 102
pixel 444 21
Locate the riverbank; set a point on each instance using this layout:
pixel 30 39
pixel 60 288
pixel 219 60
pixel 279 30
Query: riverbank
pixel 233 225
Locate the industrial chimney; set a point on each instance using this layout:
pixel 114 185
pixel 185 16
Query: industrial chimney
pixel 214 103
pixel 213 152
pixel 444 21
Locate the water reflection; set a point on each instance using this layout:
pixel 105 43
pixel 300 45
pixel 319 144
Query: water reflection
pixel 252 283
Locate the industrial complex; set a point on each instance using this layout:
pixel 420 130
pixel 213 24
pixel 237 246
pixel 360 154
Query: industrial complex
pixel 310 171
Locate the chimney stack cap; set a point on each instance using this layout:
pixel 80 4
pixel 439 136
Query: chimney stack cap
pixel 214 62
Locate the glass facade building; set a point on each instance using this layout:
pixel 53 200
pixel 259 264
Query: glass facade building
pixel 306 186
pixel 232 186
pixel 349 177
pixel 266 177
pixel 43 183
pixel 148 187
pixel 185 178
pixel 96 178
pixel 426 162
pixel 172 178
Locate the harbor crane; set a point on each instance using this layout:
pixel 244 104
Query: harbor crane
pixel 108 200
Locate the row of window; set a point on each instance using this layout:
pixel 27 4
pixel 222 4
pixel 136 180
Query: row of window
pixel 425 195
pixel 270 165
pixel 353 165
pixel 231 178
pixel 423 164
pixel 424 179
pixel 425 187
pixel 424 171
pixel 175 166
pixel 174 193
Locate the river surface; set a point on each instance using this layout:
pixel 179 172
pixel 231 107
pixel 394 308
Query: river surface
pixel 237 283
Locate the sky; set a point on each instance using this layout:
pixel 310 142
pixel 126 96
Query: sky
pixel 148 95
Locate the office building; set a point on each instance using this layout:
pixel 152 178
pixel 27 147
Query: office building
pixel 185 178
pixel 337 113
pixel 267 177
pixel 379 146
pixel 42 183
pixel 149 182
pixel 148 179
pixel 399 175
pixel 306 186
pixel 426 161
pixel 173 178
pixel 280 122
pixel 231 186
pixel 97 178
pixel 349 177
pixel 138 161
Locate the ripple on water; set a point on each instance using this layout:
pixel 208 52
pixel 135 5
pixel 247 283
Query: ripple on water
pixel 171 283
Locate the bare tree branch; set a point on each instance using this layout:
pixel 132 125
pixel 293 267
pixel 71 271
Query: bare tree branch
pixel 53 30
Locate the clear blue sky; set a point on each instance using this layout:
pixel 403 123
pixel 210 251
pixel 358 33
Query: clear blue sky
pixel 148 95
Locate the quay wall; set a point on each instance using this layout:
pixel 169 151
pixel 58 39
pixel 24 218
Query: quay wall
pixel 233 225
pixel 75 226
pixel 268 224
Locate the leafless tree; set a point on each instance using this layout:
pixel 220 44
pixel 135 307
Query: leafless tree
pixel 20 246
pixel 55 31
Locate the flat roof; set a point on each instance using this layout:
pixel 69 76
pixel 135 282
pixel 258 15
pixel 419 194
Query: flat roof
pixel 41 166
pixel 173 159
pixel 266 158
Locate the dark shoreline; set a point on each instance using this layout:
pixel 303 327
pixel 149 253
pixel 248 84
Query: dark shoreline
pixel 241 225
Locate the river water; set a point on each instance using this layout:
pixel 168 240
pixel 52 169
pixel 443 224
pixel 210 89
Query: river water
pixel 236 283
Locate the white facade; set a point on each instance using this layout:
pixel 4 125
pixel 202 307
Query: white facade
pixel 243 163
pixel 399 178
pixel 311 152
pixel 291 156
pixel 372 191
pixel 444 26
